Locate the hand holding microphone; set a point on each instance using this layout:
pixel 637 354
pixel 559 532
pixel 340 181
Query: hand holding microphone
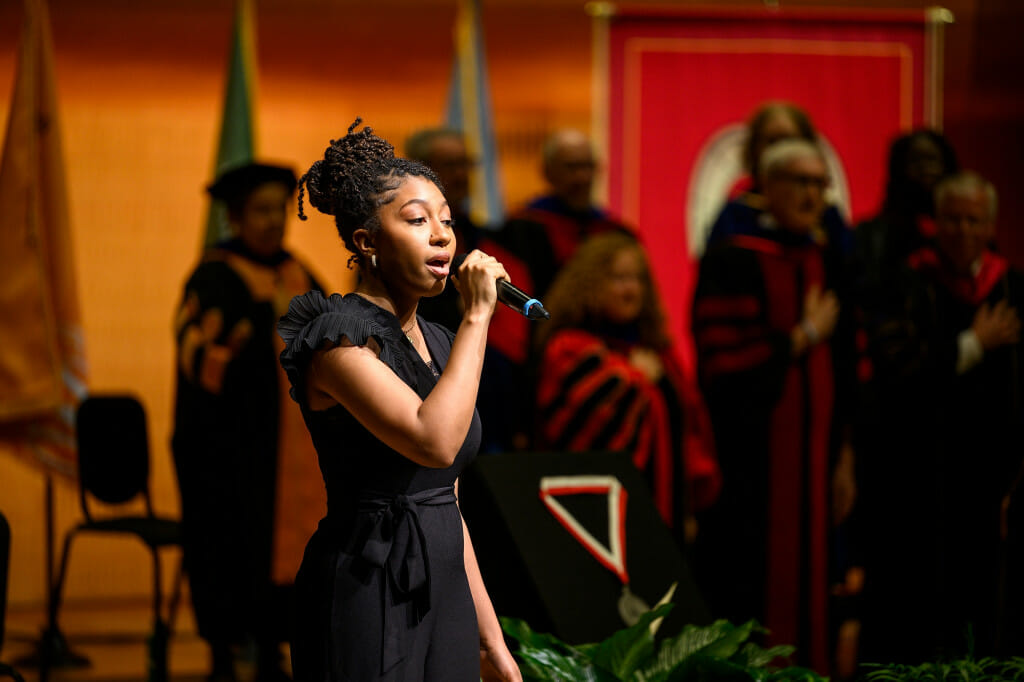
pixel 510 295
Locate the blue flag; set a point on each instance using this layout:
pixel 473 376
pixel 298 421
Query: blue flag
pixel 469 110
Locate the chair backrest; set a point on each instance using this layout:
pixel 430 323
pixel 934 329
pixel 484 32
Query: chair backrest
pixel 5 557
pixel 113 449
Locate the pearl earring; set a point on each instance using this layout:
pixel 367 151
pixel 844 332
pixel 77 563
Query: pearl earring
pixel 373 260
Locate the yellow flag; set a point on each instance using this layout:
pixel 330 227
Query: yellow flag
pixel 42 357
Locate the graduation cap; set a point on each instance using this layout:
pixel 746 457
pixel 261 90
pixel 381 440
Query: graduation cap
pixel 234 186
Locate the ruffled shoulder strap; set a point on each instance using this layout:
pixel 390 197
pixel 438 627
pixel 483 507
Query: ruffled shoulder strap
pixel 314 322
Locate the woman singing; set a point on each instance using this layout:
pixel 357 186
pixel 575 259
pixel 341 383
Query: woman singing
pixel 389 587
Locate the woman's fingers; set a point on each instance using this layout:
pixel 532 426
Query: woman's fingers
pixel 476 279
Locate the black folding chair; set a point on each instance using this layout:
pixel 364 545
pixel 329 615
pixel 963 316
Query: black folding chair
pixel 113 473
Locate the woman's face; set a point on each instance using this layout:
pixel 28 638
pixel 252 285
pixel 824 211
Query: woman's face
pixel 261 223
pixel 415 244
pixel 925 164
pixel 621 294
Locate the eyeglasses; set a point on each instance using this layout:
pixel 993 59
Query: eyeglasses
pixel 818 182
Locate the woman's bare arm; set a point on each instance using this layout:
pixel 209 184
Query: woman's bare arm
pixel 428 432
pixel 496 662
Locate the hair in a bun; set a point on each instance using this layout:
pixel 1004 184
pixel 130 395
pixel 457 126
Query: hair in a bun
pixel 354 179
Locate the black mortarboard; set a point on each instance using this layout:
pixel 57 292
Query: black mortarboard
pixel 236 183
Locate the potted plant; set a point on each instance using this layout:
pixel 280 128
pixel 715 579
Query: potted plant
pixel 720 651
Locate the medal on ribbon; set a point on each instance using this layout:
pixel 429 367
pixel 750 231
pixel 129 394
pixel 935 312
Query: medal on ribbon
pixel 613 555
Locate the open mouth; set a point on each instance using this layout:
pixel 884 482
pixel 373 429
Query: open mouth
pixel 439 265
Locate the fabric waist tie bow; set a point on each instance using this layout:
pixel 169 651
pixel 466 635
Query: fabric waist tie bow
pixel 396 544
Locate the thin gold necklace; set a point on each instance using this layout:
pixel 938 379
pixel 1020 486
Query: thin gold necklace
pixel 408 333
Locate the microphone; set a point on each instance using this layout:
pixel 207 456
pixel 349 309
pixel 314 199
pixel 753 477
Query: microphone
pixel 512 296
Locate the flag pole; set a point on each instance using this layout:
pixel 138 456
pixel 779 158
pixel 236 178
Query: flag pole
pixel 52 650
pixel 33 192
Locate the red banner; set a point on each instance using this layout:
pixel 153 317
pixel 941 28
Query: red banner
pixel 682 83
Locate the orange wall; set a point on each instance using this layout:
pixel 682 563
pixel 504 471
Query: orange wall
pixel 140 85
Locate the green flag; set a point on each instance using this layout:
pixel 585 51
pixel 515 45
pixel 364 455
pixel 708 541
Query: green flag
pixel 236 146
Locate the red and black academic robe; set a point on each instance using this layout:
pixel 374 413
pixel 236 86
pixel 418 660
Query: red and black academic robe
pixel 533 245
pixel 762 549
pixel 591 398
pixel 948 447
pixel 251 491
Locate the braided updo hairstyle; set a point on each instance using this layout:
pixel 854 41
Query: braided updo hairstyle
pixel 357 175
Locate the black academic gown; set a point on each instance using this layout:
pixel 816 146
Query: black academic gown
pixel 225 442
pixel 944 453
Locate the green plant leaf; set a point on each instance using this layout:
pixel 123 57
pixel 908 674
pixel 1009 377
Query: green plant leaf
pixel 546 665
pixel 701 667
pixel 964 669
pixel 546 658
pixel 675 650
pixel 628 649
pixel 1012 668
pixel 521 632
pixel 796 674
pixel 731 640
pixel 754 656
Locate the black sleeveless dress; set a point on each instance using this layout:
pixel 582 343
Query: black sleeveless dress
pixel 382 592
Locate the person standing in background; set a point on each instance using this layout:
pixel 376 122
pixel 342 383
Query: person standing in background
pixel 944 520
pixel 546 232
pixel 534 244
pixel 773 122
pixel 906 221
pixel 250 490
pixel 775 362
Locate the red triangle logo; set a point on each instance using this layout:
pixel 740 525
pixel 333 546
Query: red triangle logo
pixel 613 555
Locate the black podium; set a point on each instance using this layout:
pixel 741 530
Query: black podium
pixel 532 517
